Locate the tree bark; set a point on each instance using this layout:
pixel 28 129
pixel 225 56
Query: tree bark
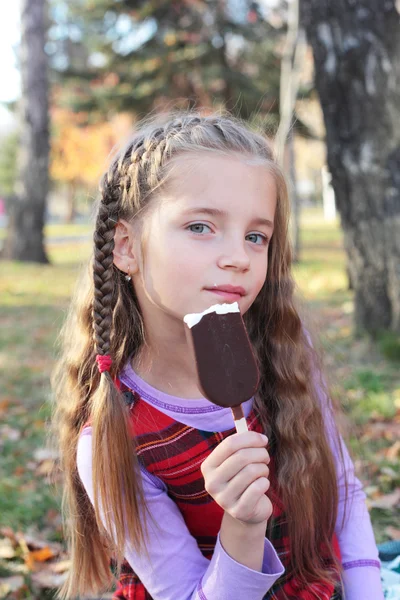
pixel 291 65
pixel 294 198
pixel 220 16
pixel 27 213
pixel 356 46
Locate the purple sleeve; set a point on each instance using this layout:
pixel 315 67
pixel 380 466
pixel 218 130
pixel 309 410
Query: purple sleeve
pixel 177 568
pixel 360 557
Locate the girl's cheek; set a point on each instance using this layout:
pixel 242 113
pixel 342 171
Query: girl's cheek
pixel 187 268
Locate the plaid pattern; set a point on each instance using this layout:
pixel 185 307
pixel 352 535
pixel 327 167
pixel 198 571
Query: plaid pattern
pixel 174 452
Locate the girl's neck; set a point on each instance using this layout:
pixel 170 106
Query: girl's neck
pixel 171 374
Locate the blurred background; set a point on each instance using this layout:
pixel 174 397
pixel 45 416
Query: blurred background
pixel 321 80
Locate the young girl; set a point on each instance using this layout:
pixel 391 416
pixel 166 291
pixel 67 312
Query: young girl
pixel 160 491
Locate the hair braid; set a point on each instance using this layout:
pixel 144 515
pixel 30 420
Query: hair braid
pixel 103 264
pixel 158 139
pixel 107 217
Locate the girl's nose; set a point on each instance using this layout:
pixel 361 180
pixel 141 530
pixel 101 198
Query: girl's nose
pixel 235 256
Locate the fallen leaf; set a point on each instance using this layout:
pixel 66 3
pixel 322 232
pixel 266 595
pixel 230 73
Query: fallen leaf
pixel 53 518
pixel 9 533
pixel 60 566
pixel 389 430
pixel 6 548
pixel 4 404
pixel 29 486
pixel 386 501
pixel 12 567
pixel 10 584
pixel 20 470
pixel 10 434
pixel 48 580
pixel 393 532
pixel 394 451
pixel 31 543
pixel 42 555
pixel 45 467
pixel 372 491
pixel 390 472
pixel 45 454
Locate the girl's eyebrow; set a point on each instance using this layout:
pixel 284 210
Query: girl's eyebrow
pixel 217 212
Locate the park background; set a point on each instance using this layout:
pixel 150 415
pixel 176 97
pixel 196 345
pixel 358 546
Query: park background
pixel 323 83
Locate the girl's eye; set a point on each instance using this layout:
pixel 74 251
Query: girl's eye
pixel 263 238
pixel 258 238
pixel 198 227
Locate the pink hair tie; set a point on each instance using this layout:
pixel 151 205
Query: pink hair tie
pixel 104 362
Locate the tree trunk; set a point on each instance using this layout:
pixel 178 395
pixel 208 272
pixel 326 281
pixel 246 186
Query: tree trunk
pixel 291 65
pixel 220 21
pixel 294 198
pixel 27 213
pixel 356 47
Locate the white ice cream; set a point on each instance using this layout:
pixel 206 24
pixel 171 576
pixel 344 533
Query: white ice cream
pixel 221 309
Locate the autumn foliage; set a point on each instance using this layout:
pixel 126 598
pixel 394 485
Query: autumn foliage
pixel 80 151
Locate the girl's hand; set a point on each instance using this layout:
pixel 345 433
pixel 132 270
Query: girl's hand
pixel 236 476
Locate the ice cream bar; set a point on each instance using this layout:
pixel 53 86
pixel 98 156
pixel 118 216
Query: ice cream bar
pixel 226 367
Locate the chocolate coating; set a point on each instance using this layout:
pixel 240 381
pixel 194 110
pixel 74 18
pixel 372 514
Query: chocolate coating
pixel 226 367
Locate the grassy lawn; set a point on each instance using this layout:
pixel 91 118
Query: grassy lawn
pixel 34 300
pixel 60 230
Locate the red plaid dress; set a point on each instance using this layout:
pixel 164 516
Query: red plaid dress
pixel 180 472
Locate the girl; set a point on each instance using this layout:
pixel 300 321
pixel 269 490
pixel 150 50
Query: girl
pixel 160 491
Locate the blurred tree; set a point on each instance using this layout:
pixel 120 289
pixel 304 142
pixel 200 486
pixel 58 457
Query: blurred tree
pixel 27 210
pixel 140 56
pixel 356 49
pixel 27 206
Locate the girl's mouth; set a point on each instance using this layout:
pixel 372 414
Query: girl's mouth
pixel 228 292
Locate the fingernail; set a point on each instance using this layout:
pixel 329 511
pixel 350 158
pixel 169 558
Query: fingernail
pixel 264 437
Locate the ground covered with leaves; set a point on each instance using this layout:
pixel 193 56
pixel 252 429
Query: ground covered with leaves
pixel 364 375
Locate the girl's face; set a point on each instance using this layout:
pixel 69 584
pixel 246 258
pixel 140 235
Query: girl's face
pixel 210 229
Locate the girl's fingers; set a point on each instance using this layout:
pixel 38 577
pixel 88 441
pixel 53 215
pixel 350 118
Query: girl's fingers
pixel 230 445
pixel 238 461
pixel 242 481
pixel 253 506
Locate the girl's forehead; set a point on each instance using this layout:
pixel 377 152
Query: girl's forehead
pixel 225 174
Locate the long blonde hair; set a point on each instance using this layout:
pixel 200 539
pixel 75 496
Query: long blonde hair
pixel 104 318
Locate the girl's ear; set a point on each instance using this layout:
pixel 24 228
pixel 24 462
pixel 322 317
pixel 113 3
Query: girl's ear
pixel 124 254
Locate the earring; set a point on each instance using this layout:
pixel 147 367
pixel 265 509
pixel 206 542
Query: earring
pixel 128 277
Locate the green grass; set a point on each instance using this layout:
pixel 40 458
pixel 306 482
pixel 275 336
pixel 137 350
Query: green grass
pixel 389 344
pixel 34 300
pixel 61 230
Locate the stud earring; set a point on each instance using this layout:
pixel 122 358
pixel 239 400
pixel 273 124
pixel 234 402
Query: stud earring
pixel 128 277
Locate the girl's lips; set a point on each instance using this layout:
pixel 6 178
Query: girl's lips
pixel 227 295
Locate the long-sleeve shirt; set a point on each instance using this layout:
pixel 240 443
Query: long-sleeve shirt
pixel 178 569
